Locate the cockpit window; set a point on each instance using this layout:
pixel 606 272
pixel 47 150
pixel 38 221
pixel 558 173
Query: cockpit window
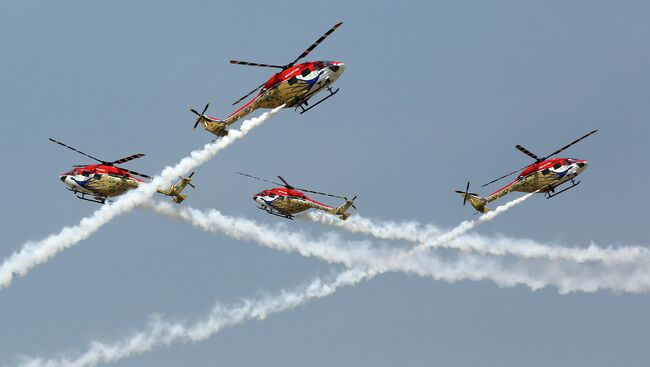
pixel 557 165
pixel 85 173
pixel 319 64
pixel 271 195
pixel 305 72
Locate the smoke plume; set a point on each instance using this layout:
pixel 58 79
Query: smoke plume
pixel 34 253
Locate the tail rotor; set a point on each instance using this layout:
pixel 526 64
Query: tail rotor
pixel 351 201
pixel 477 202
pixel 466 194
pixel 190 176
pixel 175 191
pixel 201 115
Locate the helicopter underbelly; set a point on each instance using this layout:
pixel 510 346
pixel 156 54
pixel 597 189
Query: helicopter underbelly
pixel 291 206
pixel 103 185
pixel 295 90
pixel 542 182
pixel 283 94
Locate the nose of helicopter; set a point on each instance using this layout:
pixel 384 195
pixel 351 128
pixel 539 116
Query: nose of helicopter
pixel 582 165
pixel 67 180
pixel 258 199
pixel 337 67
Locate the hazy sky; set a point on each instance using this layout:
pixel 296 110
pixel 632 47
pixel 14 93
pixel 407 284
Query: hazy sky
pixel 434 94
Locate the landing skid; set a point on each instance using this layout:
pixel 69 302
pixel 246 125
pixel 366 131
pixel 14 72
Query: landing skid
pixel 329 89
pixel 275 212
pixel 94 199
pixel 551 192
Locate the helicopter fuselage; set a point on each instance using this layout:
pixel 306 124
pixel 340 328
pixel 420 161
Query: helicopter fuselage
pixel 99 180
pixel 287 202
pixel 292 87
pixel 544 176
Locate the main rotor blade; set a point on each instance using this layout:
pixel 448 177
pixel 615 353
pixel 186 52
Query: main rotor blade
pixel 129 158
pixel 570 144
pixel 136 173
pixel 261 179
pixel 319 193
pixel 251 92
pixel 528 153
pixel 78 151
pixel 286 184
pixel 315 44
pixel 236 62
pixel 506 175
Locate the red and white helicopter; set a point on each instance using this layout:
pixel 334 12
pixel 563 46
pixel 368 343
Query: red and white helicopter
pixel 545 175
pixel 106 180
pixel 288 200
pixel 292 87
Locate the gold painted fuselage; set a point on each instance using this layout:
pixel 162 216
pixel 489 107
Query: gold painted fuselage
pixel 288 205
pixel 100 185
pixel 544 178
pixel 296 86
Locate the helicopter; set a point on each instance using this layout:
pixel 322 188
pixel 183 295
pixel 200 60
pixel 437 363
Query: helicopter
pixel 106 180
pixel 293 86
pixel 544 175
pixel 288 200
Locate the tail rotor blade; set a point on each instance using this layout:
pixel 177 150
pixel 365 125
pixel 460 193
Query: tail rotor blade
pixel 200 115
pixel 465 193
pixel 351 202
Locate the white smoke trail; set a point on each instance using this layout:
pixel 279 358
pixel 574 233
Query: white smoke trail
pixel 161 332
pixel 468 225
pixel 34 253
pixel 355 253
pixel 499 246
pixel 388 230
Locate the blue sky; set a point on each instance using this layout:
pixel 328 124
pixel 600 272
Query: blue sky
pixel 434 94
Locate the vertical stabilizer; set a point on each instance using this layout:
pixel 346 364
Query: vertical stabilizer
pixel 175 191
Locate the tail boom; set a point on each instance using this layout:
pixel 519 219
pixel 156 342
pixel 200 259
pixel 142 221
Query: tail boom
pixel 342 210
pixel 175 191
